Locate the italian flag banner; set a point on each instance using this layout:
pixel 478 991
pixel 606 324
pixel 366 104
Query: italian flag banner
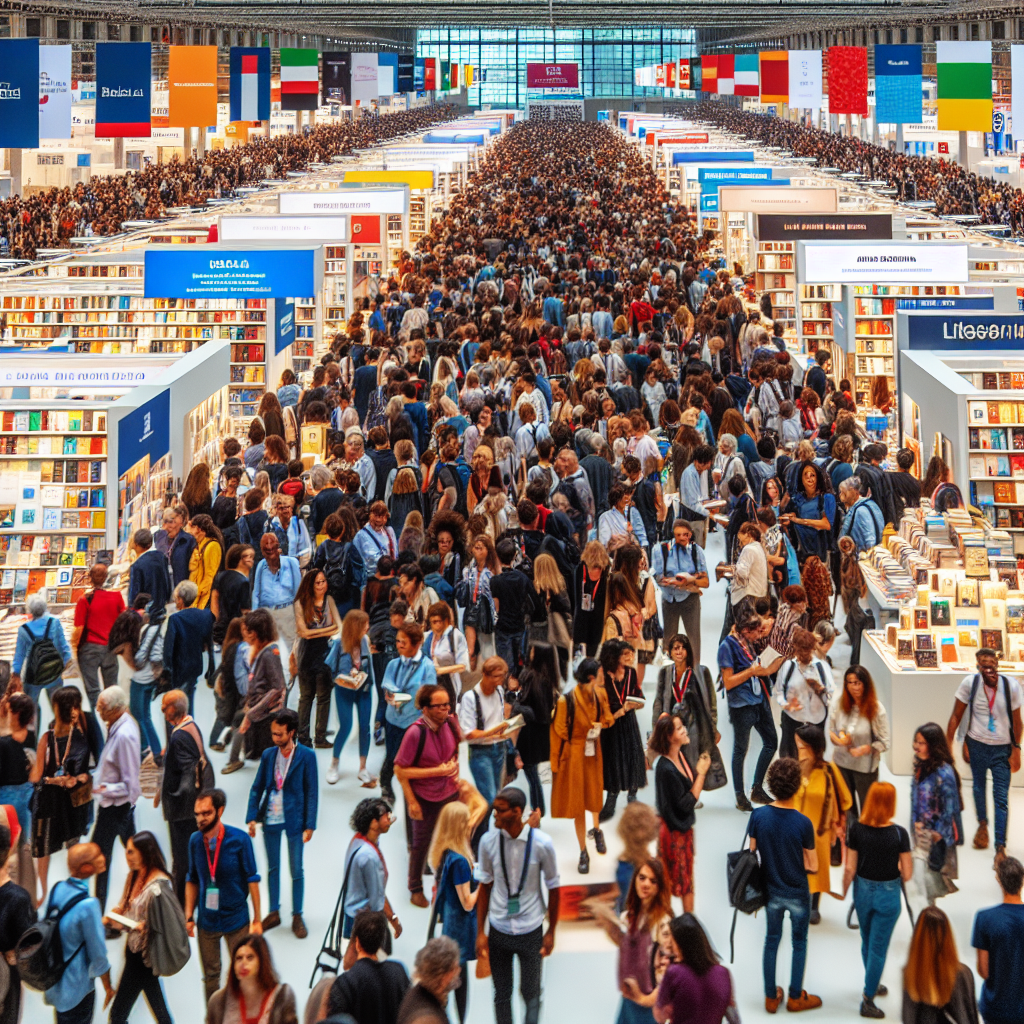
pixel 300 79
pixel 964 72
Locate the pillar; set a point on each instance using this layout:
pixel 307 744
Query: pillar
pixel 118 154
pixel 899 138
pixel 14 157
pixel 964 158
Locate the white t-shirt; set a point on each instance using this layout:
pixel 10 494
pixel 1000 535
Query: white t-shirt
pixel 492 710
pixel 792 681
pixel 979 729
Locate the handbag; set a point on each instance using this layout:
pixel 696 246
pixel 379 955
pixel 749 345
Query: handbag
pixel 81 794
pixel 937 855
pixel 835 853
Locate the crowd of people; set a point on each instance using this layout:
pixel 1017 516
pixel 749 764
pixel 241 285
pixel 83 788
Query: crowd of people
pixel 950 185
pixel 531 441
pixel 49 218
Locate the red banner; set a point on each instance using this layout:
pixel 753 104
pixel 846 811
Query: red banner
pixel 552 76
pixel 670 75
pixel 709 73
pixel 683 75
pixel 429 73
pixel 366 229
pixel 674 139
pixel 847 80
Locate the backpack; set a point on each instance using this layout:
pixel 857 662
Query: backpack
pixel 577 513
pixel 39 954
pixel 478 711
pixel 167 948
pixel 346 577
pixel 533 458
pixel 44 664
pixel 748 890
pixel 789 676
pixel 278 531
pixel 1006 697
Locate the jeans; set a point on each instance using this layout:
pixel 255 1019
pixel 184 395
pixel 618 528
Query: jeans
pixel 858 783
pixel 878 909
pixel 272 844
pixel 80 1014
pixel 509 647
pixel 345 701
pixel 536 790
pixel 744 718
pixel 487 763
pixel 503 948
pixel 117 822
pixel 137 978
pixel 995 758
pixel 393 736
pixel 799 919
pixel 94 660
pixel 209 954
pixel 422 832
pixel 20 798
pixel 141 700
pixel 315 685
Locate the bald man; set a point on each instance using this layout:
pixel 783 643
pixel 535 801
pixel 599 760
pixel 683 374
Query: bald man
pixel 81 934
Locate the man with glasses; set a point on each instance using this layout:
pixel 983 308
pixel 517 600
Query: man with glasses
pixel 427 766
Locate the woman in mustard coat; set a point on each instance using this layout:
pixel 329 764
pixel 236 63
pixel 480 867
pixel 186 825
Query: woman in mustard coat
pixel 576 764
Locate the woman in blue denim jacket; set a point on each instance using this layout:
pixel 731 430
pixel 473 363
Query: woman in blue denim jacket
pixel 349 654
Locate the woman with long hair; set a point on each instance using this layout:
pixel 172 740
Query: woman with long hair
pixel 404 499
pixel 746 442
pixel 446 537
pixel 196 495
pixel 316 621
pixel 413 537
pixel 631 562
pixel 271 415
pixel 935 806
pixel 803 685
pixel 451 858
pixel 534 696
pixel 553 628
pixel 207 555
pixel 351 667
pixel 229 690
pixel 824 799
pixel 473 596
pixel 878 861
pixel 253 992
pixel 275 462
pixel 810 511
pixel 859 730
pixel 147 880
pixel 937 987
pixel 590 587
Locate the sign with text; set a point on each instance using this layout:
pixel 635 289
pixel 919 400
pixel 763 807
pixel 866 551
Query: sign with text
pixel 346 200
pixel 741 199
pixel 713 156
pixel 241 228
pixel 145 431
pixel 902 262
pixel 778 227
pixel 676 139
pixel 552 76
pixel 174 273
pixel 948 302
pixel 964 332
pixel 284 324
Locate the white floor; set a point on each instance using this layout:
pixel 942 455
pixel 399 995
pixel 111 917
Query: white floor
pixel 580 980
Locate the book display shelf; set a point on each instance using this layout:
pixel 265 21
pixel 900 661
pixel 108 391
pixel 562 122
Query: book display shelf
pixel 776 275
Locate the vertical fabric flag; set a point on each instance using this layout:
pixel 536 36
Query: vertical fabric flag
pixel 683 75
pixel 419 74
pixel 124 73
pixel 192 86
pixel 726 74
pixel 365 78
pixel 300 78
pixel 404 78
pixel 848 80
pixel 429 73
pixel 55 92
pixel 250 83
pixel 805 79
pixel 745 66
pixel 446 76
pixel 19 93
pixel 898 98
pixel 387 74
pixel 337 83
pixel 453 76
pixel 964 72
pixel 469 74
pixel 1017 89
pixel 709 73
pixel 774 76
pixel 670 75
pixel 659 76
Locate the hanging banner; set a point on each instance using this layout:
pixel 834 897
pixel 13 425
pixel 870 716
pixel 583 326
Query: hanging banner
pixel 1017 85
pixel 405 72
pixel 726 74
pixel 19 93
pixel 747 78
pixel 123 90
pixel 964 79
pixel 774 76
pixel 453 77
pixel 867 263
pixel 429 73
pixel 337 83
pixel 445 82
pixel 284 324
pixel 203 272
pixel 683 75
pixel 552 76
pixel 364 78
pixel 898 96
pixel 964 332
pixel 387 74
pixel 805 79
pixel 144 431
pixel 192 86
pixel 55 92
pixel 709 73
pixel 670 75
pixel 782 227
pixel 300 78
pixel 250 83
pixel 848 80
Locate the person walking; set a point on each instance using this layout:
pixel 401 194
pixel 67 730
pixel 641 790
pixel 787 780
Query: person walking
pixel 682 573
pixel 784 841
pixel 206 559
pixel 514 859
pixel 39 673
pixel 371 990
pixel 534 696
pixel 175 543
pixel 17 914
pixel 188 635
pixel 992 740
pixel 937 987
pixel 149 574
pixel 366 873
pixel 696 988
pixel 859 730
pixel 625 767
pixel 283 798
pixel 436 972
pixel 146 660
pixel 316 621
pixel 513 598
pixel 878 862
pixel 482 723
pixel 350 656
pixel 274 587
pixel 803 688
pixel 252 984
pixel 998 936
pixel 222 875
pixel 589 594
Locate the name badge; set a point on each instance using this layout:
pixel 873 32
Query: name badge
pixel 586 603
pixel 513 906
pixel 212 898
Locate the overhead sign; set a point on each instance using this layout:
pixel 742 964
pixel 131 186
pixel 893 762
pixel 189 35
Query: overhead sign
pixel 178 272
pixel 964 332
pixel 19 93
pixel 676 139
pixel 948 302
pixel 50 371
pixel 145 431
pixel 740 199
pixel 284 324
pixel 347 200
pixel 711 177
pixel 414 179
pixel 55 92
pixel 552 76
pixel 716 156
pixel 780 227
pixel 902 262
pixel 241 228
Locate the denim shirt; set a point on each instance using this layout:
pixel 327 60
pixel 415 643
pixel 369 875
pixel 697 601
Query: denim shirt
pixel 81 926
pixel 405 675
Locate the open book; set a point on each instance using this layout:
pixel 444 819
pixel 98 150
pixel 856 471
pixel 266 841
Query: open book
pixel 768 655
pixel 354 680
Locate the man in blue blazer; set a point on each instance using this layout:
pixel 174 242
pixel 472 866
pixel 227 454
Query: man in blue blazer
pixel 283 797
pixel 149 575
pixel 189 634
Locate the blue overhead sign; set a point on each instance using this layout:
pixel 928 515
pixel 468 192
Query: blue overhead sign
pixel 712 156
pixel 208 273
pixel 145 431
pixel 714 176
pixel 965 332
pixel 949 302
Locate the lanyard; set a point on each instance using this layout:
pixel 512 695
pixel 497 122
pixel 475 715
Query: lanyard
pixel 372 533
pixel 593 596
pixel 212 864
pixel 279 779
pixel 376 850
pixel 526 865
pixel 677 692
pixel 476 588
pixel 413 665
pixel 991 702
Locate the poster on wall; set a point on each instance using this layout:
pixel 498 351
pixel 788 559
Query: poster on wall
pixel 405 72
pixel 554 76
pixel 337 83
pixel 55 92
pixel 144 431
pixel 19 94
pixel 192 86
pixel 364 78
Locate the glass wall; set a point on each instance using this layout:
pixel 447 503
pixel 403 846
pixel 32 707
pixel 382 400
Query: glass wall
pixel 607 56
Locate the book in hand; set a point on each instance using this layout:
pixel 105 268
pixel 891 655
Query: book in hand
pixel 354 680
pixel 125 922
pixel 401 698
pixel 633 703
pixel 513 723
pixel 768 656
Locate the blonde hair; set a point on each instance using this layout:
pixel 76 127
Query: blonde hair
pixel 595 556
pixel 352 628
pixel 451 833
pixel 546 575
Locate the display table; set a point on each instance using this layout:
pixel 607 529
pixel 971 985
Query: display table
pixel 884 609
pixel 912 698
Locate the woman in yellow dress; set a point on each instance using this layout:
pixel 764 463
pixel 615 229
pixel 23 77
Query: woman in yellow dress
pixel 825 799
pixel 577 767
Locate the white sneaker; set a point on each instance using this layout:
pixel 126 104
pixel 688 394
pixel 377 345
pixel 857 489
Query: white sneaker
pixel 332 773
pixel 366 780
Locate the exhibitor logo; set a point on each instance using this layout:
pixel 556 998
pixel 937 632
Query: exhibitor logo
pixel 7 93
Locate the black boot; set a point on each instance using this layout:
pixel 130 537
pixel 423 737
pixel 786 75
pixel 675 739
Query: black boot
pixel 608 811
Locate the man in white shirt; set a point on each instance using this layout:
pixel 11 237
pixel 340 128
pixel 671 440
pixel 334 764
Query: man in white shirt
pixel 376 538
pixel 299 546
pixel 616 371
pixel 991 740
pixel 513 859
pixel 803 688
pixel 482 721
pixel 750 576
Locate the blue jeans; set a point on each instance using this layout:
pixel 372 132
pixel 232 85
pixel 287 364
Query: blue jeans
pixel 140 700
pixel 487 763
pixel 744 718
pixel 345 701
pixel 536 790
pixel 799 918
pixel 20 798
pixel 272 843
pixel 878 909
pixel 994 758
pixel 510 647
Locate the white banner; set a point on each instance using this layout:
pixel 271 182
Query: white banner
pixel 364 78
pixel 350 200
pixel 750 199
pixel 882 262
pixel 55 92
pixel 331 229
pixel 805 79
pixel 1017 85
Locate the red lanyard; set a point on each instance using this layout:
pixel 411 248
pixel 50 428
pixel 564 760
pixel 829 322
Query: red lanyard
pixel 992 702
pixel 376 849
pixel 593 596
pixel 246 1019
pixel 476 588
pixel 678 693
pixel 212 864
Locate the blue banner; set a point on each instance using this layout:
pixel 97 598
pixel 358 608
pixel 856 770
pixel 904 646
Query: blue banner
pixel 419 74
pixel 450 137
pixel 19 93
pixel 229 274
pixel 966 332
pixel 145 431
pixel 406 73
pixel 693 156
pixel 249 83
pixel 389 61
pixel 123 84
pixel 898 98
pixel 284 324
pixel 949 302
pixel 715 179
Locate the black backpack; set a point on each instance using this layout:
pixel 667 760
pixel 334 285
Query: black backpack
pixel 748 891
pixel 44 664
pixel 345 578
pixel 39 954
pixel 577 513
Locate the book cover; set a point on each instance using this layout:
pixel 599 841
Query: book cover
pixel 924 642
pixel 992 638
pixel 940 612
pixel 926 658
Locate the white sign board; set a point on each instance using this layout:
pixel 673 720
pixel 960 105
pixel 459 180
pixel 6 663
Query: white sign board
pixel 354 200
pixel 882 262
pixel 329 228
pixel 778 200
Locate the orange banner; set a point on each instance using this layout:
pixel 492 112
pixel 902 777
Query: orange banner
pixel 192 85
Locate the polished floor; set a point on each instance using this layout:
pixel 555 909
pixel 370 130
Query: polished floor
pixel 580 978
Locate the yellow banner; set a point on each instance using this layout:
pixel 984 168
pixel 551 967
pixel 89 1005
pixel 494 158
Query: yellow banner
pixel 414 179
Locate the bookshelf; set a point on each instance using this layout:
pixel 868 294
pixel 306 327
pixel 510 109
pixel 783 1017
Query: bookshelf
pixel 776 275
